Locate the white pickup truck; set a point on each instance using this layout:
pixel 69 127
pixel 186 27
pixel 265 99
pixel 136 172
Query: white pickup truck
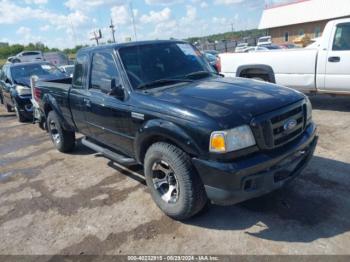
pixel 325 68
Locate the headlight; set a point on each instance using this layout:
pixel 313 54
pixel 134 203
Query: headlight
pixel 308 109
pixel 231 140
pixel 23 90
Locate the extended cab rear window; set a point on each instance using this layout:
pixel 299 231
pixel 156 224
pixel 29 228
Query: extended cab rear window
pixel 80 71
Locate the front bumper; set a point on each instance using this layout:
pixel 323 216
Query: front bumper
pixel 25 106
pixel 258 174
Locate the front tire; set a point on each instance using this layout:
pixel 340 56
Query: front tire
pixel 19 115
pixel 174 183
pixel 63 140
pixel 8 108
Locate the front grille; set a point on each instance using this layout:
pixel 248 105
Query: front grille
pixel 270 131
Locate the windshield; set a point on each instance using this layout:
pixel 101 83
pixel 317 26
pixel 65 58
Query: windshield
pixel 69 70
pixel 153 62
pixel 24 71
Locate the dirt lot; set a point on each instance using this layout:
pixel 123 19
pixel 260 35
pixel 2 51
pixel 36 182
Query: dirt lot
pixel 52 203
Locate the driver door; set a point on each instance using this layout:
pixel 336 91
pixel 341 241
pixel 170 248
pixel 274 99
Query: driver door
pixel 337 76
pixel 108 117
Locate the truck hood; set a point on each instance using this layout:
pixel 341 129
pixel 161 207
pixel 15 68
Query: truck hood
pixel 229 99
pixel 25 81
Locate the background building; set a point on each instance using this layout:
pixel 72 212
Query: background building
pixel 286 22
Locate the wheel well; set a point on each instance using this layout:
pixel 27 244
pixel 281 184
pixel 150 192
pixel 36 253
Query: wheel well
pixel 147 143
pixel 250 73
pixel 47 109
pixel 263 72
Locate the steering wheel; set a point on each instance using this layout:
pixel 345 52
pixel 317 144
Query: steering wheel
pixel 134 77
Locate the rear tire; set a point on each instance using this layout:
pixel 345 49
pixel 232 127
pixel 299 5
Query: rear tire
pixel 63 140
pixel 174 183
pixel 259 79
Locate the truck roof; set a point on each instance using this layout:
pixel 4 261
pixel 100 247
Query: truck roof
pixel 129 44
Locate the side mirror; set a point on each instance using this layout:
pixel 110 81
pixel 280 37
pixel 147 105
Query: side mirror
pixel 114 88
pixel 117 89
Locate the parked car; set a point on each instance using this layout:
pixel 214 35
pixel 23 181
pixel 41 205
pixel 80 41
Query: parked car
pixel 1 96
pixel 198 135
pixel 271 47
pixel 56 58
pixel 288 46
pixel 67 69
pixel 241 47
pixel 324 68
pixel 30 56
pixel 212 59
pixel 265 40
pixel 15 85
pixel 251 49
pixel 212 52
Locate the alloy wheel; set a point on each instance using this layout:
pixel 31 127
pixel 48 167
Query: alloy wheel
pixel 165 182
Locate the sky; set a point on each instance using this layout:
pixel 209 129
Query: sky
pixel 67 23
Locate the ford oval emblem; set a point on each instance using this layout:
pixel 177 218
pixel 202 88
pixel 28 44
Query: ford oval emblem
pixel 290 125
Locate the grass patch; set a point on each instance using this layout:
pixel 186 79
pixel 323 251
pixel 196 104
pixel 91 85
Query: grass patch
pixel 2 62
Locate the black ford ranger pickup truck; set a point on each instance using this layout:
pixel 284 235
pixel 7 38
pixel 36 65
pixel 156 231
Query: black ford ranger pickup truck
pixel 199 136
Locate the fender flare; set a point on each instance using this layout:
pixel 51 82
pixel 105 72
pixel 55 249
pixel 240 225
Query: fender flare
pixel 158 130
pixel 49 101
pixel 268 69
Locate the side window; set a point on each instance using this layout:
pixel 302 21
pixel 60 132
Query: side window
pixel 80 71
pixel 103 70
pixel 342 38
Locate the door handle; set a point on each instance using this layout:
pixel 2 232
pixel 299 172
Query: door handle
pixel 334 59
pixel 87 102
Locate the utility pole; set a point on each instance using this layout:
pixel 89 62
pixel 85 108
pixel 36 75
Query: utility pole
pixel 112 30
pixel 96 35
pixel 133 20
pixel 73 31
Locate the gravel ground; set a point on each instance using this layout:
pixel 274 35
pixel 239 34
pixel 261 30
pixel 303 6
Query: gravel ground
pixel 82 203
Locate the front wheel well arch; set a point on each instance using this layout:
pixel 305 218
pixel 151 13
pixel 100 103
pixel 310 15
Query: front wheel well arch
pixel 47 109
pixel 147 143
pixel 163 131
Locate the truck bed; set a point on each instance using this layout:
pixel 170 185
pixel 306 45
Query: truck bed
pixel 59 91
pixel 64 83
pixel 292 68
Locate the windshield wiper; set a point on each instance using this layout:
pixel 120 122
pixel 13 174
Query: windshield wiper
pixel 162 82
pixel 200 73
